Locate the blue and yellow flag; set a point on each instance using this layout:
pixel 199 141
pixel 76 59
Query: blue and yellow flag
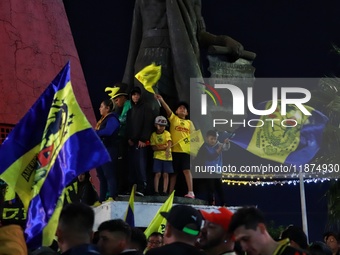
pixel 130 211
pixel 291 139
pixel 158 222
pixel 51 145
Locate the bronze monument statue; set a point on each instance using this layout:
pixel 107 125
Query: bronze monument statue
pixel 170 33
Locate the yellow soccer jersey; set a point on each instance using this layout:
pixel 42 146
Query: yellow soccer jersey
pixel 179 129
pixel 158 139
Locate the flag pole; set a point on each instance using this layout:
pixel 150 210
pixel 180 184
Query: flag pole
pixel 156 88
pixel 303 205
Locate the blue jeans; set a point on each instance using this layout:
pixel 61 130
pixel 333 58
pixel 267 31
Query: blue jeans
pixel 107 175
pixel 137 167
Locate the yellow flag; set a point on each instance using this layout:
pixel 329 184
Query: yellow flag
pixel 50 229
pixel 149 76
pixel 9 193
pixel 192 143
pixel 196 141
pixel 158 222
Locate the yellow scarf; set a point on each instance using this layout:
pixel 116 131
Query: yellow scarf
pixel 101 120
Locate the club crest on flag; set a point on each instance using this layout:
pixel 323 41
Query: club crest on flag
pixel 50 146
pixel 291 139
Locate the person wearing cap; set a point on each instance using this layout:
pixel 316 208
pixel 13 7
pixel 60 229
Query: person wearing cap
pixel 296 236
pixel 181 232
pixel 123 104
pixel 162 160
pixel 215 238
pixel 249 229
pixel 139 128
pixel 180 128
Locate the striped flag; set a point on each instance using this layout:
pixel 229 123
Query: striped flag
pixel 130 211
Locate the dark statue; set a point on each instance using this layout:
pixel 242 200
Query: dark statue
pixel 170 33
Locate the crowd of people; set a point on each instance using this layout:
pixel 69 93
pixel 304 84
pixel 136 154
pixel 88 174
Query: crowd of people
pixel 216 231
pixel 143 145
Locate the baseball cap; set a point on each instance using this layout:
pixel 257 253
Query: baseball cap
pixel 184 218
pixel 182 103
pixel 221 216
pixel 161 120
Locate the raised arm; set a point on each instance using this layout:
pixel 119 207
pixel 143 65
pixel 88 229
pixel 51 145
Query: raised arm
pixel 164 104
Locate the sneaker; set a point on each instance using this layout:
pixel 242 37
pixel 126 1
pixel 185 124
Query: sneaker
pixel 125 194
pixel 190 195
pixel 110 199
pixel 139 194
pixel 163 193
pixel 96 204
pixel 156 194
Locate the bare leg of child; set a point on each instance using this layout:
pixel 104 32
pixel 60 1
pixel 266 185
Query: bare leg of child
pixel 156 181
pixel 173 178
pixel 165 182
pixel 188 180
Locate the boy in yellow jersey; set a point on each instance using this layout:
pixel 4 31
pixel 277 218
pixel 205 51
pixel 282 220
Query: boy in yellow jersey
pixel 180 128
pixel 162 160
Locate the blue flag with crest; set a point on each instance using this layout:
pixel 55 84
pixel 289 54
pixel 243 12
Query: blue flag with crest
pixel 50 146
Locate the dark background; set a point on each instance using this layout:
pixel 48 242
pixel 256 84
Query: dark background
pixel 291 39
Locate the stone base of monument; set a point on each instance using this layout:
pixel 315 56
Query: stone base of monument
pixel 162 199
pixel 145 208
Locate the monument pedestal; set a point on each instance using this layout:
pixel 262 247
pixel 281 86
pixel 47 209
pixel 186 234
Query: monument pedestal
pixel 145 209
pixel 240 74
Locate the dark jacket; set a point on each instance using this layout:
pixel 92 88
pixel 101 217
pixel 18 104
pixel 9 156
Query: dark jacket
pixel 82 249
pixel 108 130
pixel 139 122
pixel 177 248
pixel 86 192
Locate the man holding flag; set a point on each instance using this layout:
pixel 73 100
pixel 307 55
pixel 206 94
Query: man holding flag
pixel 51 145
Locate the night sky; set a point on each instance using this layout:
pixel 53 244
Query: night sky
pixel 291 39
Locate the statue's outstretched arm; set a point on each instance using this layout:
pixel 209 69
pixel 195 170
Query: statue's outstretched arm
pixel 228 45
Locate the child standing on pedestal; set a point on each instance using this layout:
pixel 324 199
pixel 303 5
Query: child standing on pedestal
pixel 162 159
pixel 180 128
